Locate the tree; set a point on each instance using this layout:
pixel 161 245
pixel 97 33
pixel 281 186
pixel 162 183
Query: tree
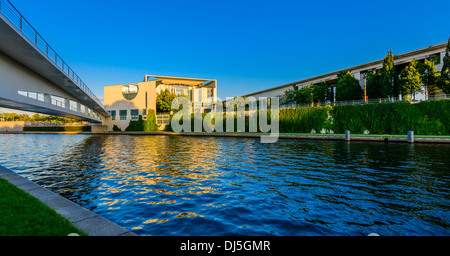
pixel 430 77
pixel 410 82
pixel 289 97
pixel 298 96
pixel 387 80
pixel 320 92
pixel 444 82
pixel 150 124
pixel 348 87
pixel 305 94
pixel 373 84
pixel 164 101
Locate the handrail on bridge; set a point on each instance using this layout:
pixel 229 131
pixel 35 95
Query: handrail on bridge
pixel 16 18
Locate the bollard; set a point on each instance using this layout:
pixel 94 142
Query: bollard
pixel 347 135
pixel 410 136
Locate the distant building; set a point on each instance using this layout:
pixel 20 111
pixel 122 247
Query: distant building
pixel 435 52
pixel 126 102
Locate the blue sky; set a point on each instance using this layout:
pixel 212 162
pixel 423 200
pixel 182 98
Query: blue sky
pixel 246 45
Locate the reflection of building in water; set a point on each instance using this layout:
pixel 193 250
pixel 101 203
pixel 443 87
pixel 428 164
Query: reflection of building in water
pixel 126 102
pixel 173 162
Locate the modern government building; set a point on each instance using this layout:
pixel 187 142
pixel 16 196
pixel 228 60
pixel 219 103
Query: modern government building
pixel 126 102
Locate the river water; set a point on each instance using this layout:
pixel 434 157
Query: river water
pixel 180 185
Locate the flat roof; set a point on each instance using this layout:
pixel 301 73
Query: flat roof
pixel 179 80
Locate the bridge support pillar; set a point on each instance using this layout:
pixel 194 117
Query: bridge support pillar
pixel 99 129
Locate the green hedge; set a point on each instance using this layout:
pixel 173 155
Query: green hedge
pixel 424 118
pixel 298 120
pixel 143 125
pixel 58 129
pixel 304 120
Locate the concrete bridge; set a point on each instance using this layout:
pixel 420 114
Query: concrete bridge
pixel 33 77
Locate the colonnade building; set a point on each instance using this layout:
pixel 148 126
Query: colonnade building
pixel 435 52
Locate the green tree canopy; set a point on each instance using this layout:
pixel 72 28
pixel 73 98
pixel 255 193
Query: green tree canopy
pixel 37 118
pixel 387 80
pixel 164 101
pixel 430 77
pixel 444 82
pixel 307 94
pixel 297 96
pixel 373 84
pixel 348 87
pixel 321 92
pixel 410 80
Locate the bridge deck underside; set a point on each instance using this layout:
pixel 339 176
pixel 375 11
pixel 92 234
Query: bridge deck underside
pixel 51 110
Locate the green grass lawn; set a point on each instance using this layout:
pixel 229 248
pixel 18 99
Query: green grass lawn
pixel 23 215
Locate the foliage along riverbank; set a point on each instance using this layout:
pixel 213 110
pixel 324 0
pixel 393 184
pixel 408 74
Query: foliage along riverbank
pixel 424 118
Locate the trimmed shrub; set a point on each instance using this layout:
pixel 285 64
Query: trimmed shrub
pixel 58 129
pixel 424 118
pixel 150 123
pixel 116 129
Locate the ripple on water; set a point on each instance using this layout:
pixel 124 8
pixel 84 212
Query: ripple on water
pixel 163 185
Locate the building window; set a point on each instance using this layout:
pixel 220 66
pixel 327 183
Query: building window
pixel 130 91
pixel 32 95
pixel 210 93
pixel 134 114
pixel 179 91
pixel 58 101
pixel 82 109
pixel 162 119
pixel 123 114
pixel 73 105
pixel 199 95
pixel 113 114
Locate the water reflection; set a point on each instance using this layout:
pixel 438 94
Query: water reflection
pixel 164 185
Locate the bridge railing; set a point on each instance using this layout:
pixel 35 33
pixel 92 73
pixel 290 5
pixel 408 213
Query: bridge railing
pixel 14 16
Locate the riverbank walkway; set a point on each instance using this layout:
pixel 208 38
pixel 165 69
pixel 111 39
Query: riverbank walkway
pixel 300 136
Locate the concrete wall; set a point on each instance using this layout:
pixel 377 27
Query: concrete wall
pixel 114 100
pixel 99 129
pixel 145 99
pixel 16 126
